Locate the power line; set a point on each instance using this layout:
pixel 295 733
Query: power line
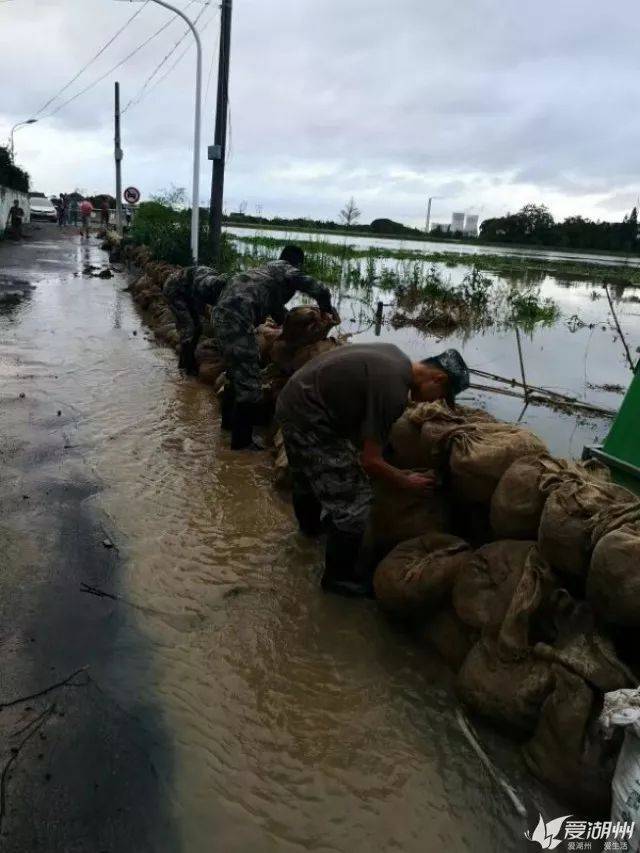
pixel 115 67
pixel 171 68
pixel 137 98
pixel 93 59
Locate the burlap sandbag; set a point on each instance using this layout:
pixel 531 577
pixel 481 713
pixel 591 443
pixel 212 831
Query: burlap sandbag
pixel 311 351
pixel 480 453
pixel 449 636
pixel 281 463
pixel 418 575
pixel 518 501
pixel 305 325
pixel 508 692
pixel 566 752
pixel 483 593
pixel 398 514
pixel 267 334
pixel 580 646
pixel 613 582
pixel 406 447
pixel 568 520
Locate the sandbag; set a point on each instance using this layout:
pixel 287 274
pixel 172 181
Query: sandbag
pixel 311 351
pixel 449 636
pixel 281 463
pixel 267 334
pixel 568 520
pixel 398 514
pixel 566 752
pixel 508 692
pixel 613 582
pixel 418 575
pixel 483 593
pixel 518 501
pixel 405 444
pixel 580 646
pixel 305 325
pixel 480 453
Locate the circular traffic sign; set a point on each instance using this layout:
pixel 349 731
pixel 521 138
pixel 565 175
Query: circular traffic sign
pixel 132 195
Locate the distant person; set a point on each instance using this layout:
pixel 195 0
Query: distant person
pixel 127 213
pixel 188 293
pixel 16 216
pixel 104 213
pixel 73 212
pixel 244 304
pixel 86 209
pixel 62 211
pixel 336 413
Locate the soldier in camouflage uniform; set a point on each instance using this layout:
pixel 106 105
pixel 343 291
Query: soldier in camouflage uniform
pixel 336 413
pixel 246 303
pixel 188 292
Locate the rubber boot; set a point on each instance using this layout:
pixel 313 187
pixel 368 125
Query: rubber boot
pixel 307 509
pixel 242 428
pixel 341 560
pixel 187 359
pixel 227 402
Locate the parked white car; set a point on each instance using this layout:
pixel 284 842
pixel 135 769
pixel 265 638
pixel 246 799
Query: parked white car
pixel 43 208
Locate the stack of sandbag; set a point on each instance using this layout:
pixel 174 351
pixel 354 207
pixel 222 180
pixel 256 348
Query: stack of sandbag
pixel 568 521
pixel 520 496
pixel 304 336
pixel 209 361
pixel 613 581
pixel 418 437
pixel 419 574
pixel 480 453
pixel 398 514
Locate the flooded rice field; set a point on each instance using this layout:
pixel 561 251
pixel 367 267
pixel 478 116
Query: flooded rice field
pixel 288 720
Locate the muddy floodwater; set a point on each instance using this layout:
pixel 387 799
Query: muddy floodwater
pixel 284 719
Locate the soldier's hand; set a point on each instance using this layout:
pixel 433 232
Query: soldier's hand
pixel 421 483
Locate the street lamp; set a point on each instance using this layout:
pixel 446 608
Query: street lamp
pixel 195 195
pixel 13 130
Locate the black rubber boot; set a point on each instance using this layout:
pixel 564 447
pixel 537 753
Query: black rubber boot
pixel 227 402
pixel 341 559
pixel 242 428
pixel 307 509
pixel 187 359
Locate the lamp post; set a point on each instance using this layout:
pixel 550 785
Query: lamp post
pixel 13 130
pixel 195 195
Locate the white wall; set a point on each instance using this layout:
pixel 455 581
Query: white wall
pixel 7 197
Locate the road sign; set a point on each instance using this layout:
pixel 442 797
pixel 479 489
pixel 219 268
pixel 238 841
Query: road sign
pixel 132 195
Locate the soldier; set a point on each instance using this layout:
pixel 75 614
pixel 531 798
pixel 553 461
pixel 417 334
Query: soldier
pixel 247 301
pixel 188 292
pixel 336 413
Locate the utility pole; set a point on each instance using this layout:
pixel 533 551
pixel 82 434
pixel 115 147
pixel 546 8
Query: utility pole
pixel 217 152
pixel 428 219
pixel 118 158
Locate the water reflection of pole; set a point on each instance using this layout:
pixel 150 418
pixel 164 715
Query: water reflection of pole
pixel 622 337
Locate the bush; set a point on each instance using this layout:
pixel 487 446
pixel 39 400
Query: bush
pixel 10 175
pixel 167 233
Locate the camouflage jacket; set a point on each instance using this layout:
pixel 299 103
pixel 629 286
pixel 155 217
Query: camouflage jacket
pixel 197 286
pixel 264 291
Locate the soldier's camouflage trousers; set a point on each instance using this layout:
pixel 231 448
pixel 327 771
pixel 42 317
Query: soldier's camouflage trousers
pixel 327 466
pixel 237 342
pixel 188 323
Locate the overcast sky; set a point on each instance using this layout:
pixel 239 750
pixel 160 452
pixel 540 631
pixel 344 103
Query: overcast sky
pixel 487 103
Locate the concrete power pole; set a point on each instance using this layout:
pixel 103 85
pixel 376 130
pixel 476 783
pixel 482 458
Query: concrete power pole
pixel 428 219
pixel 217 152
pixel 118 158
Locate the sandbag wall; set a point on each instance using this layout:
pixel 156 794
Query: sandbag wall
pixel 529 588
pixel 522 570
pixel 303 336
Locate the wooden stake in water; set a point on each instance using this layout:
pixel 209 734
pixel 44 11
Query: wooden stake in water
pixel 622 337
pixel 524 378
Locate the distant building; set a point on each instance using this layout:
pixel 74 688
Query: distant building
pixel 457 222
pixel 471 226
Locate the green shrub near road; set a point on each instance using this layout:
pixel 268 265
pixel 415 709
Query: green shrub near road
pixel 12 176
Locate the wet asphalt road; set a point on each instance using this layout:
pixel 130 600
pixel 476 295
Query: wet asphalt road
pixel 78 770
